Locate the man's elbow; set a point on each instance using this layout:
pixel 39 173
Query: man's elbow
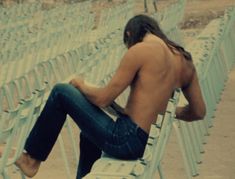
pixel 102 103
pixel 199 114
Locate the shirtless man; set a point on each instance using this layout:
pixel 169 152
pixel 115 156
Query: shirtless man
pixel 153 67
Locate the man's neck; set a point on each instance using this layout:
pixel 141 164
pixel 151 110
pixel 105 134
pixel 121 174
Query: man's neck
pixel 151 38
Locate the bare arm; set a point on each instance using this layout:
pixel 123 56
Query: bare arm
pixel 123 77
pixel 196 108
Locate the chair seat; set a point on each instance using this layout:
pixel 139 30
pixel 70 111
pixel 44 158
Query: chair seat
pixel 116 168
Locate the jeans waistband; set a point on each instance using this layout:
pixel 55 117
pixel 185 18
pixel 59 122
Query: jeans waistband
pixel 139 131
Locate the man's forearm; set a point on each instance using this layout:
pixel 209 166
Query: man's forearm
pixel 181 113
pixel 92 93
pixel 185 114
pixel 96 95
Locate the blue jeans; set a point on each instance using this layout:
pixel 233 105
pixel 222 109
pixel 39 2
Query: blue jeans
pixel 121 139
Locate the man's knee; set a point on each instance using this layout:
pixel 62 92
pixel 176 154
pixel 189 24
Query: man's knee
pixel 60 87
pixel 65 88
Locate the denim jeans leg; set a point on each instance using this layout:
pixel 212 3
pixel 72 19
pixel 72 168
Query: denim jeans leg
pixel 89 153
pixel 99 130
pixel 46 129
pixel 66 99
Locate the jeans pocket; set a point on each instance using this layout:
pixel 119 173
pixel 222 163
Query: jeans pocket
pixel 127 140
pixel 129 147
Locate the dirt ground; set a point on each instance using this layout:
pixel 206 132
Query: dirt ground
pixel 219 157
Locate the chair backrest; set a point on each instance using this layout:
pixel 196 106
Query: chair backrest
pixel 158 137
pixel 15 124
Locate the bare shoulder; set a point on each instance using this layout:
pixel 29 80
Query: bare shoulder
pixel 157 45
pixel 145 50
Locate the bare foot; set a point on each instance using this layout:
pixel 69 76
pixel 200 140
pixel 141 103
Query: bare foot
pixel 28 165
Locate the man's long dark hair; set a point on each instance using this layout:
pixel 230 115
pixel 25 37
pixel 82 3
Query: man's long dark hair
pixel 140 25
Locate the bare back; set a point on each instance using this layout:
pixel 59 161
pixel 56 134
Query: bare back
pixel 159 75
pixel 152 71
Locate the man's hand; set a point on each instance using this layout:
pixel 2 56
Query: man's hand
pixel 186 114
pixel 77 82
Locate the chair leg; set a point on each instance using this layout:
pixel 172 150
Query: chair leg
pixel 186 160
pixel 160 171
pixel 5 175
